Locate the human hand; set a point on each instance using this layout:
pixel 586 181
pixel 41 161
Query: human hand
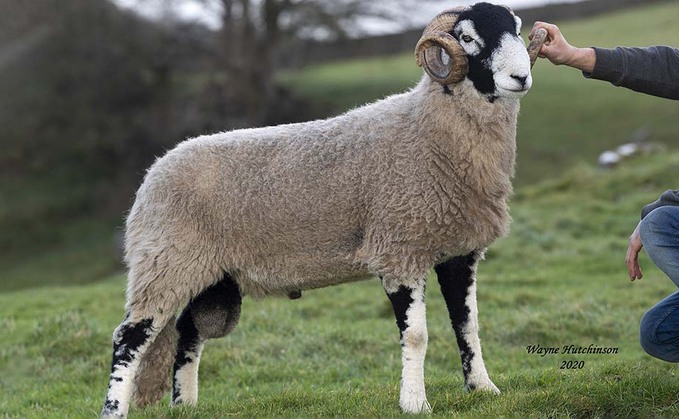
pixel 632 258
pixel 557 50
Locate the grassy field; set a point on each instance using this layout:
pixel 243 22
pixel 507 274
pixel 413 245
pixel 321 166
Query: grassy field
pixel 47 235
pixel 558 279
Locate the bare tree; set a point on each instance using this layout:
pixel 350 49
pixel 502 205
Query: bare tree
pixel 254 36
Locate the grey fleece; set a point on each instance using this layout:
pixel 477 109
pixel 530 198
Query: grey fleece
pixel 651 70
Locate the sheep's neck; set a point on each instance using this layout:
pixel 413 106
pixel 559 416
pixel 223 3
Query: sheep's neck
pixel 472 142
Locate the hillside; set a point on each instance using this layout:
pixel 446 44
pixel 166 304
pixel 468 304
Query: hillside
pixel 558 279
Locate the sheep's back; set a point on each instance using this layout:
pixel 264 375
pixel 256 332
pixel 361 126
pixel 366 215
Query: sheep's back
pixel 284 200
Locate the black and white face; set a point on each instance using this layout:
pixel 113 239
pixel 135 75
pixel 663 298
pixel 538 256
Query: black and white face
pixel 499 65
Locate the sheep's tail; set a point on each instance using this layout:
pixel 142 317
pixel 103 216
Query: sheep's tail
pixel 153 376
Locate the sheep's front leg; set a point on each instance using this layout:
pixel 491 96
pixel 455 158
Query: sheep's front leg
pixel 457 278
pixel 409 308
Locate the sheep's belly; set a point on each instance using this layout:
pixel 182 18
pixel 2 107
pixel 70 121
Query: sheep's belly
pixel 279 277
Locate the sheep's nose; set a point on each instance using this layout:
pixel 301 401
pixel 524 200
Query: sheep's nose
pixel 520 79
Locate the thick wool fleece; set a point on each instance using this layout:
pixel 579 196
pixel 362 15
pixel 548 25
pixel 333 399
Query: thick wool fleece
pixel 387 189
pixel 153 376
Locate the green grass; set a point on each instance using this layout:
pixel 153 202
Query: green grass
pixel 77 252
pixel 564 119
pixel 340 86
pixel 48 235
pixel 558 279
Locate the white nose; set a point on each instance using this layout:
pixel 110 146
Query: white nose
pixel 511 65
pixel 523 82
pixel 520 79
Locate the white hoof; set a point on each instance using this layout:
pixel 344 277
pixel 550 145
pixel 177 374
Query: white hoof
pixel 415 404
pixel 183 402
pixel 482 385
pixel 109 415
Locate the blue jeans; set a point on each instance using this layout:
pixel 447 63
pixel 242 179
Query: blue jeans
pixel 659 331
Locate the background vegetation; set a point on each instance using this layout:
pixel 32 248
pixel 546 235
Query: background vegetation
pixel 558 279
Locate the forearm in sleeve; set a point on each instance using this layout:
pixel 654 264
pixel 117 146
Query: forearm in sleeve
pixel 651 70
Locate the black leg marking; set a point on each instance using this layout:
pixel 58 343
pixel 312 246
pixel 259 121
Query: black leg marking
pixel 129 337
pixel 189 342
pixel 212 314
pixel 189 338
pixel 455 277
pixel 401 301
pixel 111 405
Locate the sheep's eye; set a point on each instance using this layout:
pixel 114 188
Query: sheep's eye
pixel 467 38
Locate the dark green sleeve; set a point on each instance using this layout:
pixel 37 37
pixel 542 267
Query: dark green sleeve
pixel 668 198
pixel 651 70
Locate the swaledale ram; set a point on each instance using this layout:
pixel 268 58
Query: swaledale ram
pixel 388 190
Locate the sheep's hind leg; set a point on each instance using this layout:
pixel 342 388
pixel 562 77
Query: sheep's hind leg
pixel 409 308
pixel 212 314
pixel 457 278
pixel 130 341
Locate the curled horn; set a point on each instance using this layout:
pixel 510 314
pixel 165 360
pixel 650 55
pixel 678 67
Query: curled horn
pixel 439 53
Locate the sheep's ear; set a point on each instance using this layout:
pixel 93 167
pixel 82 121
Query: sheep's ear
pixel 442 57
pixel 508 8
pixel 519 24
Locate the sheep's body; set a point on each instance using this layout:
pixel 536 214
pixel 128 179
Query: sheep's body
pixel 392 189
pixel 388 189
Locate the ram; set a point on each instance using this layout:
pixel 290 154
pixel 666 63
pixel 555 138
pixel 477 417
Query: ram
pixel 416 181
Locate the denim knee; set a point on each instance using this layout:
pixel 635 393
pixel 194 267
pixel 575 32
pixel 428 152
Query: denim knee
pixel 657 343
pixel 659 232
pixel 658 225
